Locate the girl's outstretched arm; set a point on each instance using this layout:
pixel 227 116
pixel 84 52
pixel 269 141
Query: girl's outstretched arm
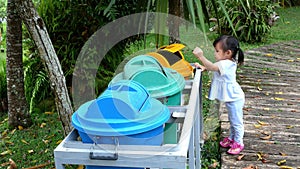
pixel 208 64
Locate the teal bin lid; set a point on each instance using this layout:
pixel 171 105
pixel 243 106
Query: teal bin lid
pixel 159 81
pixel 124 108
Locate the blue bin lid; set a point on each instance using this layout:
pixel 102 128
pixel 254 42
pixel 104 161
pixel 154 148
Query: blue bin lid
pixel 159 81
pixel 124 108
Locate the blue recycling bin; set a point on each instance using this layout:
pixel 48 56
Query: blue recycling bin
pixel 125 113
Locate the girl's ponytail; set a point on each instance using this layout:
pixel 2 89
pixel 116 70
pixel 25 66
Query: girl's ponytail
pixel 240 56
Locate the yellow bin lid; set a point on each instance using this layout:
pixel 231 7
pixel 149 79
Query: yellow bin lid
pixel 170 56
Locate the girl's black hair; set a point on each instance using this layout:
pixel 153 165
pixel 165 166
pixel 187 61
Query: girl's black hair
pixel 231 43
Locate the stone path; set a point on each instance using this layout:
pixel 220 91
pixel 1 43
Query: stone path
pixel 271 82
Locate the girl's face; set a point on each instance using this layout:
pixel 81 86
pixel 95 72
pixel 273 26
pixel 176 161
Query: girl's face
pixel 220 54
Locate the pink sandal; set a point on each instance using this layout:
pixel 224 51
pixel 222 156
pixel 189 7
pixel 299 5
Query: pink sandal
pixel 227 142
pixel 236 148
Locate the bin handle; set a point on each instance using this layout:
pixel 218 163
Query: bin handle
pixel 105 156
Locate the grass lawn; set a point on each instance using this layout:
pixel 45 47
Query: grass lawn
pixel 34 146
pixel 286 28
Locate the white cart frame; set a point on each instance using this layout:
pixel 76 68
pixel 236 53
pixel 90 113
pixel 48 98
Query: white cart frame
pixel 187 152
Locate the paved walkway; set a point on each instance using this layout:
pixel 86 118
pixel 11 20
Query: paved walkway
pixel 271 82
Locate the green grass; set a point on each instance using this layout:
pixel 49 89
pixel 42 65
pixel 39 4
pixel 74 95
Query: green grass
pixel 286 28
pixel 35 145
pixel 32 146
pixel 2 56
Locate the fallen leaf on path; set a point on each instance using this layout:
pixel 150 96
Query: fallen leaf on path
pixel 273 116
pixel 262 123
pixel 265 161
pixel 269 54
pixel 257 125
pixel 290 60
pixel 259 157
pixel 281 162
pixel 286 167
pixel 239 158
pixel 279 99
pixel 251 167
pixel 282 154
pixel 266 132
pixel 266 137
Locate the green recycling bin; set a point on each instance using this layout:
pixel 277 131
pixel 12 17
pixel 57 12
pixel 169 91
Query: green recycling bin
pixel 164 84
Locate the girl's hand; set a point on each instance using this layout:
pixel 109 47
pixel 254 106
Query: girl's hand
pixel 198 52
pixel 197 65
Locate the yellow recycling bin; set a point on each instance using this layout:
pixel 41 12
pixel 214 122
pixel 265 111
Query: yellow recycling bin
pixel 170 56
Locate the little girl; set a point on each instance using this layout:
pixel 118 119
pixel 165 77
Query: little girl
pixel 225 88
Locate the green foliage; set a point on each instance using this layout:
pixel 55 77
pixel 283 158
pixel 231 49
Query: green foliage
pixel 71 23
pixel 3 4
pixel 248 19
pixel 37 85
pixel 3 83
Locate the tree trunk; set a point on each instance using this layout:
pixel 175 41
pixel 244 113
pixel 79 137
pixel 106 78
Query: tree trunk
pixel 18 114
pixel 37 29
pixel 174 9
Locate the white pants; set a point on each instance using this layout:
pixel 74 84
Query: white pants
pixel 235 117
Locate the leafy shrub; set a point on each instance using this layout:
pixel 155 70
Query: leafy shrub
pixel 3 87
pixel 249 19
pixel 71 23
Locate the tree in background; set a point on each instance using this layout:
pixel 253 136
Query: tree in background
pixel 18 114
